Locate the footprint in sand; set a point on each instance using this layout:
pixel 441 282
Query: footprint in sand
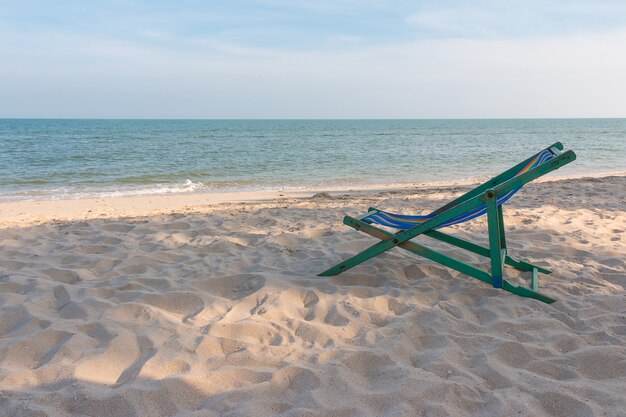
pixel 118 227
pixel 12 287
pixel 37 350
pixel 13 318
pixel 159 284
pixel 67 308
pixel 111 241
pixel 82 404
pixel 377 370
pixel 62 275
pixel 334 318
pixel 492 377
pixel 397 307
pixel 560 405
pixel 232 287
pixel 134 269
pixel 96 249
pixel 185 304
pixel 551 370
pixel 416 271
pixel 176 226
pixel 601 363
pixel 294 378
pixel 103 265
pixel 512 354
pixel 310 299
pixel 312 334
pixel 119 363
pixel 218 346
pixel 161 367
pixel 98 332
pixel 12 265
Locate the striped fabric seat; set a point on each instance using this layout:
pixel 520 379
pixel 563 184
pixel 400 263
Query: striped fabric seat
pixel 405 222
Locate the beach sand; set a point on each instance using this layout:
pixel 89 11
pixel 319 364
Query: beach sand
pixel 196 306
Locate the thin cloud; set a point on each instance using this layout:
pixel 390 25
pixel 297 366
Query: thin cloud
pixel 571 76
pixel 517 18
pixel 160 71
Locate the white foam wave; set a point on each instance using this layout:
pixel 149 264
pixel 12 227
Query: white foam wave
pixel 69 193
pixel 187 187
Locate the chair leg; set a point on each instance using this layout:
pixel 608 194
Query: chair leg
pixel 479 250
pixel 372 251
pixel 447 261
pixel 501 228
pixel 496 249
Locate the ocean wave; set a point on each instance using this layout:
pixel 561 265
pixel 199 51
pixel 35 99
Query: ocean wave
pixel 186 187
pixel 75 193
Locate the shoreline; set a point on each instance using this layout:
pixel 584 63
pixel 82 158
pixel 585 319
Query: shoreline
pixel 175 189
pixel 23 213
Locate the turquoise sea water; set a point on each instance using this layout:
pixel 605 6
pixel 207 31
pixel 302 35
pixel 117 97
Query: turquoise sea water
pixel 44 159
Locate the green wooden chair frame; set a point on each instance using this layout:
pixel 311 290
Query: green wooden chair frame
pixel 485 194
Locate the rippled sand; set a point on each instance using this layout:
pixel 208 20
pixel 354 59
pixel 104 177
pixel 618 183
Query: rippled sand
pixel 217 311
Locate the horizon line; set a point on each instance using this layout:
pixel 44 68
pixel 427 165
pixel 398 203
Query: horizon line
pixel 309 118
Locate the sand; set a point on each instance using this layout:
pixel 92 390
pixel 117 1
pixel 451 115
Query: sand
pixel 196 306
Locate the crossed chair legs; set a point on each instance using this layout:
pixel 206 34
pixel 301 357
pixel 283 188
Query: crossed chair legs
pixel 497 252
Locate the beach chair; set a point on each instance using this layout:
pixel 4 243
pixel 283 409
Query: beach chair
pixel 487 198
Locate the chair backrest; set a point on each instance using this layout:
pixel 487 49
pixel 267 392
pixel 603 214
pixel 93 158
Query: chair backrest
pixel 504 186
pixel 535 161
pixel 524 166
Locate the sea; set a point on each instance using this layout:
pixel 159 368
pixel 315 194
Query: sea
pixel 43 159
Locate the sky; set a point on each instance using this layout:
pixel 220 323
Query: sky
pixel 312 59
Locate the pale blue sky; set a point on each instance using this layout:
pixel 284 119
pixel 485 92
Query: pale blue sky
pixel 313 59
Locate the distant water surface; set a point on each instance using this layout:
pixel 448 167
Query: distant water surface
pixel 51 159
